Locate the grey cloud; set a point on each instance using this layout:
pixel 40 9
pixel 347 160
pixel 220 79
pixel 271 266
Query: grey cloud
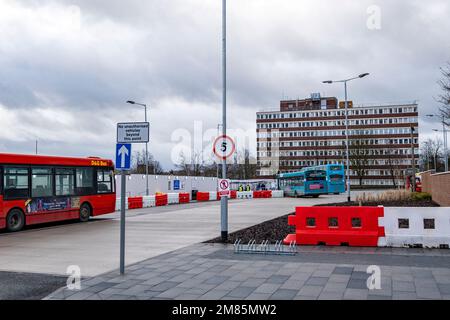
pixel 159 51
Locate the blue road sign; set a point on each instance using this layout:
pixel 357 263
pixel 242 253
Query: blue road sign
pixel 123 156
pixel 176 184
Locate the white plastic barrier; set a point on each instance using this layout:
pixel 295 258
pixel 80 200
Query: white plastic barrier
pixel 277 193
pixel 244 194
pixel 148 201
pixel 429 227
pixel 212 196
pixel 173 198
pixel 118 204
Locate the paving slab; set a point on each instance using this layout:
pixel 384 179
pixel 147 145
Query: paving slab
pixel 346 281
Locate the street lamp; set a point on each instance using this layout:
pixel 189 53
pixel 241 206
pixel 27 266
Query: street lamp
pixel 444 132
pixel 346 124
pixel 146 147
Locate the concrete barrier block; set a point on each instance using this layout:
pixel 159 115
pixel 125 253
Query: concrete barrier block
pixel 118 203
pixel 149 201
pixel 277 193
pixel 173 198
pixel 213 196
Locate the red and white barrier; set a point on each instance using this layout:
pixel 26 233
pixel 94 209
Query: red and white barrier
pixel 184 198
pixel 335 226
pixel 161 200
pixel 202 196
pixel 135 202
pixel 371 226
pixel 149 201
pixel 425 227
pixel 277 194
pixel 173 198
pixel 179 198
pixel 213 196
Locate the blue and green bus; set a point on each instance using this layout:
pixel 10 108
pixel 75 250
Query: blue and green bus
pixel 307 182
pixel 335 177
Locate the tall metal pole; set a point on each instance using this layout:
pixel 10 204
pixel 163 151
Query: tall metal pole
pixel 146 158
pixel 224 200
pixel 218 133
pixel 123 184
pixel 347 143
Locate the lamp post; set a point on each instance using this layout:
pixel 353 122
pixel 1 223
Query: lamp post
pixel 146 147
pixel 346 125
pixel 218 134
pixel 444 132
pixel 224 200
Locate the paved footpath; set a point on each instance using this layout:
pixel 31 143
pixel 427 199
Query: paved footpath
pixel 213 271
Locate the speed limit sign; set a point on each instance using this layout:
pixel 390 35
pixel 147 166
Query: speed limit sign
pixel 224 147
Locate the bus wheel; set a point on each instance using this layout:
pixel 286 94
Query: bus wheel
pixel 85 212
pixel 15 220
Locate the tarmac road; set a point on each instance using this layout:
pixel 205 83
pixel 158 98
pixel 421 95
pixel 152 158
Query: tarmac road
pixel 94 246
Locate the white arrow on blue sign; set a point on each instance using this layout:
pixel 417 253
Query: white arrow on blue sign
pixel 123 156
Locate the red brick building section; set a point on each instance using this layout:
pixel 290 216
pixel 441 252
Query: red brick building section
pixel 438 185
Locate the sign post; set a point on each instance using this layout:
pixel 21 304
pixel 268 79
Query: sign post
pixel 224 147
pixel 128 133
pixel 123 163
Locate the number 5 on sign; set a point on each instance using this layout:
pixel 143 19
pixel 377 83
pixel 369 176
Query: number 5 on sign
pixel 224 147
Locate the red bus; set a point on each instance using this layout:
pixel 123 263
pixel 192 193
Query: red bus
pixel 40 189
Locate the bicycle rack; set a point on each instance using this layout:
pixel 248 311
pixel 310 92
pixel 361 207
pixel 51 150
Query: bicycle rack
pixel 265 248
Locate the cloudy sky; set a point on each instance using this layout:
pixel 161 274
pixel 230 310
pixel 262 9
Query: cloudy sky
pixel 67 67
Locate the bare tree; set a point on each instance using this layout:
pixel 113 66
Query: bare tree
pixel 138 164
pixel 444 97
pixel 359 158
pixel 183 166
pixel 430 153
pixel 190 167
pixel 396 172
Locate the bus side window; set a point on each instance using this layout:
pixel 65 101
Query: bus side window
pixel 41 182
pixel 64 181
pixel 15 183
pixel 84 181
pixel 104 181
